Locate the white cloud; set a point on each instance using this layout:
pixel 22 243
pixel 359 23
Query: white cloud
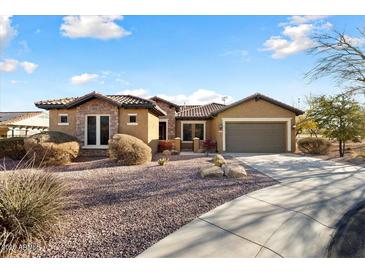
pixel 295 36
pixel 83 78
pixel 29 67
pixel 355 41
pixel 13 82
pixel 140 92
pixel 7 32
pixel 199 97
pixel 8 65
pixel 306 18
pixel 99 27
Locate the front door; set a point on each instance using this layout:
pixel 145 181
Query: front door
pixel 97 131
pixel 162 131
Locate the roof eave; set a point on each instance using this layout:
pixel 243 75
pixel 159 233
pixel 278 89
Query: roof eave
pixel 258 96
pixel 193 118
pixel 49 106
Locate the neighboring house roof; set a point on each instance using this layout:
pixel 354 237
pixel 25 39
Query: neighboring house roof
pixel 198 112
pixel 9 118
pixel 125 101
pixel 156 98
pixel 259 96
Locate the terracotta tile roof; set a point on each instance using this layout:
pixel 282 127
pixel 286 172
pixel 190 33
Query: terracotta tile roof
pixel 60 102
pixel 185 107
pixel 127 101
pixel 198 111
pixel 156 98
pixel 7 118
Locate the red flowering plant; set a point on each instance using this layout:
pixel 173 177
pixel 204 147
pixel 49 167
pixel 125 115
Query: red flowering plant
pixel 209 146
pixel 165 145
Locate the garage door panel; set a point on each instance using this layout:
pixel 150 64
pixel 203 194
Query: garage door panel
pixel 255 137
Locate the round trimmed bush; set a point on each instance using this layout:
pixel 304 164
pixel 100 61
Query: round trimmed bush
pixel 128 150
pixel 52 148
pixel 31 202
pixel 12 148
pixel 312 145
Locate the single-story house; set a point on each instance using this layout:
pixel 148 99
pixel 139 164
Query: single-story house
pixel 256 123
pixel 20 124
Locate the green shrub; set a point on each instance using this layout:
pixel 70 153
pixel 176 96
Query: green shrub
pixel 311 145
pixel 162 161
pixel 128 150
pixel 31 201
pixel 52 148
pixel 12 148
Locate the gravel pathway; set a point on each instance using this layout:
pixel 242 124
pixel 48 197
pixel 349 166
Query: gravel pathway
pixel 119 211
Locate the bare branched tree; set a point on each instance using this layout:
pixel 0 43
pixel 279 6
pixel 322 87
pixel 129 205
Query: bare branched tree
pixel 342 57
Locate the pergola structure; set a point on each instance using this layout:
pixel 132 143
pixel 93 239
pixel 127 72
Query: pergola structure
pixel 20 124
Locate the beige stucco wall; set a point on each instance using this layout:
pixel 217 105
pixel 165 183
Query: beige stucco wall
pixel 140 130
pixel 54 119
pixel 251 109
pixel 146 130
pixel 3 132
pixel 153 122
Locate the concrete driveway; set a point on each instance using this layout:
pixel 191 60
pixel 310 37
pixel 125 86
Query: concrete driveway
pixel 295 218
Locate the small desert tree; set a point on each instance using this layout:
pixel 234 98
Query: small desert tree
pixel 342 57
pixel 305 124
pixel 340 117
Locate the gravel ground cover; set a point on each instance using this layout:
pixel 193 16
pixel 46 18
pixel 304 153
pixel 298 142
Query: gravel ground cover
pixel 119 211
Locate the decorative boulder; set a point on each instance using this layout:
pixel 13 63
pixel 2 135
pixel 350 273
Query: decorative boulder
pixel 219 160
pixel 211 171
pixel 234 171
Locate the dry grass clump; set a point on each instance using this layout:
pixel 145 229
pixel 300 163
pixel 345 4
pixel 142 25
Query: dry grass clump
pixel 128 150
pixel 359 154
pixel 12 148
pixel 52 148
pixel 312 145
pixel 31 201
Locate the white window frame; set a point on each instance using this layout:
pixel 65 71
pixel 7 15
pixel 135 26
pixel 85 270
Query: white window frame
pixel 167 126
pixel 286 120
pixel 59 119
pixel 191 122
pixel 132 124
pixel 97 131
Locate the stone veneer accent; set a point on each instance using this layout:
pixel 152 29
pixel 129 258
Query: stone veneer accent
pixel 96 106
pixel 170 110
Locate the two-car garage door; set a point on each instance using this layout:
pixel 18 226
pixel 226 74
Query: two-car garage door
pixel 255 137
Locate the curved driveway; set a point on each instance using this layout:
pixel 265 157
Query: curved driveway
pixel 295 218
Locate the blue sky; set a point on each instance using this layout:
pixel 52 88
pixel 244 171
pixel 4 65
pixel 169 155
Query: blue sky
pixel 191 59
